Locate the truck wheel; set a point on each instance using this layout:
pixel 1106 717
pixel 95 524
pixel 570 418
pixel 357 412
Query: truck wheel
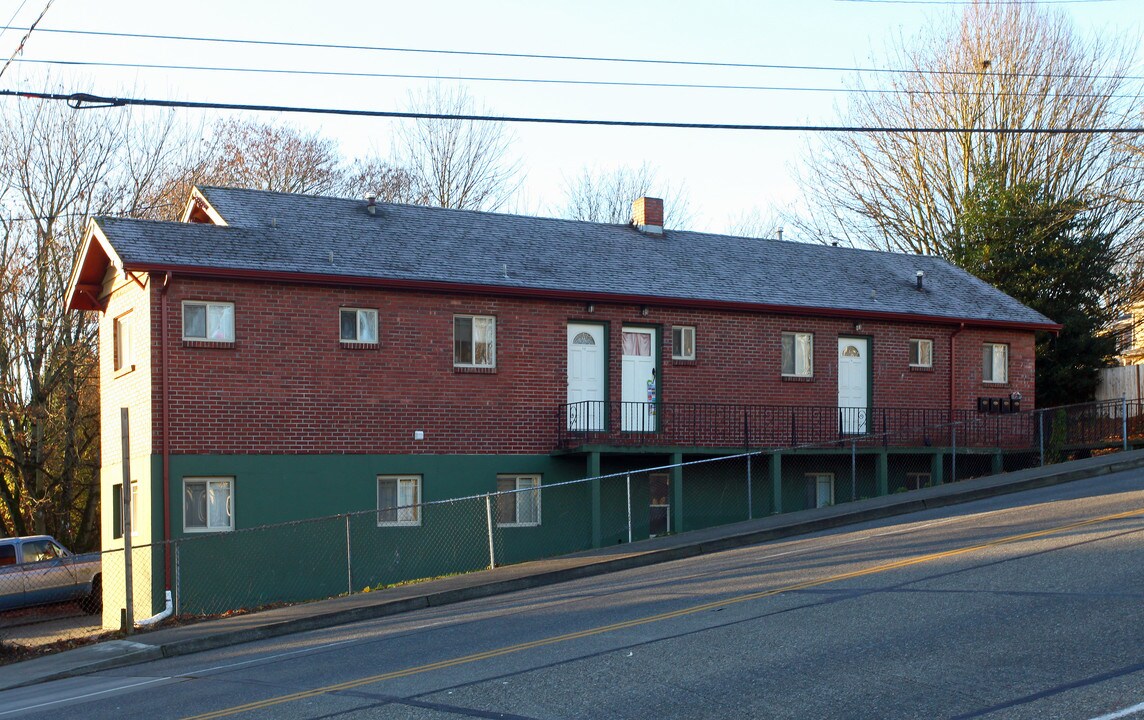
pixel 93 603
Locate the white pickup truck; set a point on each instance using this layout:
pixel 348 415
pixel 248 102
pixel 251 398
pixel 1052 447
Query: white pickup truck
pixel 37 570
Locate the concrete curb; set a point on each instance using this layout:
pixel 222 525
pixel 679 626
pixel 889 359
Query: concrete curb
pixel 587 565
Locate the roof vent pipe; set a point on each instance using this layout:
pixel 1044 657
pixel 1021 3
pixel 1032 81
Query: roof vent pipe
pixel 920 276
pixel 779 232
pixel 371 204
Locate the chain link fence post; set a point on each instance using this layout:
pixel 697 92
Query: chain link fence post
pixel 1041 434
pixel 628 480
pixel 953 458
pixel 489 525
pixel 349 560
pixel 1124 420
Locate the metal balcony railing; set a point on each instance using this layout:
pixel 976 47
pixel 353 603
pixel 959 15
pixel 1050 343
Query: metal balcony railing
pixel 723 425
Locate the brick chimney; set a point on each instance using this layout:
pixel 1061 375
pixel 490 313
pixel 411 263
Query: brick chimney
pixel 647 215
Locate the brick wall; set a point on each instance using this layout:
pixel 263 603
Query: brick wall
pixel 288 385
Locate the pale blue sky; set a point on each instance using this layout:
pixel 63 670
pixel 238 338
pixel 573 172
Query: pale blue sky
pixel 725 174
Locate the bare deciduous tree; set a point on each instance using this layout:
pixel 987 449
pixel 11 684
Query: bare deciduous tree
pixel 606 196
pixel 457 163
pixel 54 163
pixel 245 153
pixel 1001 66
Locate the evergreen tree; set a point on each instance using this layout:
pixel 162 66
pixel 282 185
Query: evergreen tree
pixel 1053 255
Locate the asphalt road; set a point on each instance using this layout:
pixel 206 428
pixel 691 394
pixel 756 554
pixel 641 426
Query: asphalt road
pixel 1025 606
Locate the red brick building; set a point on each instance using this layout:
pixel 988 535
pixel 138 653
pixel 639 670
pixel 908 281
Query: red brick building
pixel 287 356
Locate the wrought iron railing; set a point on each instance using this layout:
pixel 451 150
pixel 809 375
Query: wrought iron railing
pixel 723 425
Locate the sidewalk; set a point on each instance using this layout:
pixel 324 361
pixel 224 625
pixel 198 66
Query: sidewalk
pixel 198 637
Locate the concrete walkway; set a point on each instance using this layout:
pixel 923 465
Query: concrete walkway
pixel 170 642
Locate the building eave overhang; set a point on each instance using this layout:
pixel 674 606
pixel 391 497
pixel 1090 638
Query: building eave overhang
pixel 199 210
pixel 579 295
pixel 85 285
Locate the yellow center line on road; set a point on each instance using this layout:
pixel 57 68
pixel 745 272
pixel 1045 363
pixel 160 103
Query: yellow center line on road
pixel 498 652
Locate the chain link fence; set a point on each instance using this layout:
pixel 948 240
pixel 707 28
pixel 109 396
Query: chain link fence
pixel 408 540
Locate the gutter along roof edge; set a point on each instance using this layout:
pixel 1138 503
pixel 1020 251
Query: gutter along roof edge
pixel 575 295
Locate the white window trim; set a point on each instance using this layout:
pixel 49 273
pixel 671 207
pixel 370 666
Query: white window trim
pixel 926 343
pixel 518 491
pixel 818 478
pixel 492 343
pixel 918 478
pixel 684 331
pixel 1005 353
pixel 416 506
pixel 794 353
pixel 229 481
pixel 208 304
pixel 122 356
pixel 370 313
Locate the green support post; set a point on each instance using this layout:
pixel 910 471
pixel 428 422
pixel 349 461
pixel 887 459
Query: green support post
pixel 677 492
pixel 998 462
pixel 883 473
pixel 777 480
pixel 594 473
pixel 937 468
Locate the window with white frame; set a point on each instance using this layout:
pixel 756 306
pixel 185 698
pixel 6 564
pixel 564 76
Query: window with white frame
pixel 995 363
pixel 398 499
pixel 208 504
pixel 798 354
pixel 209 321
pixel 358 325
pixel 518 501
pixel 121 338
pixel 474 341
pixel 921 353
pixel 683 342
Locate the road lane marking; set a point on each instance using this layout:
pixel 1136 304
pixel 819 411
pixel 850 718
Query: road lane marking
pixel 85 696
pixel 1122 713
pixel 716 604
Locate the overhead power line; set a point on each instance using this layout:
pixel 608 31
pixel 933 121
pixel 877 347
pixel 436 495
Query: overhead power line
pixel 85 101
pixel 395 76
pixel 20 47
pixel 542 56
pixel 548 81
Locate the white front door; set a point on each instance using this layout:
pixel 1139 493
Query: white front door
pixel 585 377
pixel 637 409
pixel 853 384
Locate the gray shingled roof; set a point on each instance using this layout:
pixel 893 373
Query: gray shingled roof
pixel 280 232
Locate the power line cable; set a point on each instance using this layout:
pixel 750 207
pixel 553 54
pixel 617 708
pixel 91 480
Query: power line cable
pixel 549 81
pixel 577 58
pixel 20 47
pixel 13 18
pixel 86 101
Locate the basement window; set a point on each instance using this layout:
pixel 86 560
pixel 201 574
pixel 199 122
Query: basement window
pixel 208 504
pixel 518 500
pixel 398 500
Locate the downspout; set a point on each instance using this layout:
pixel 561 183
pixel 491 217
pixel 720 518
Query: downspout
pixel 166 448
pixel 952 366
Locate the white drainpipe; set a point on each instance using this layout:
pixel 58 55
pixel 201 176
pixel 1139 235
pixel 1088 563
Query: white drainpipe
pixel 166 613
